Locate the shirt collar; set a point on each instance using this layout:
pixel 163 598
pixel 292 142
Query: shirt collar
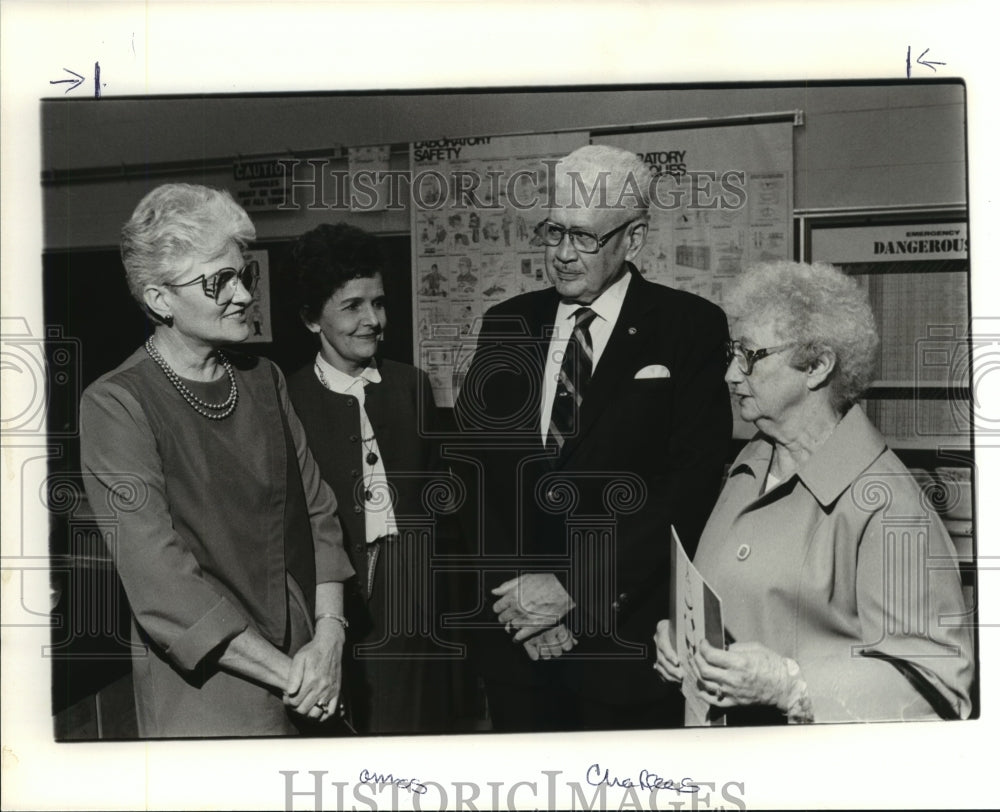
pixel 341 382
pixel 607 306
pixel 852 447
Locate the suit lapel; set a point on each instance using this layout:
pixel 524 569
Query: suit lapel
pixel 615 368
pixel 540 329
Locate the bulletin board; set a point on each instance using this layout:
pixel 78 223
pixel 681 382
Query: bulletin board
pixel 727 202
pixel 475 203
pixel 723 201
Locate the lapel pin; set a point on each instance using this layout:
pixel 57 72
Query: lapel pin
pixel 632 331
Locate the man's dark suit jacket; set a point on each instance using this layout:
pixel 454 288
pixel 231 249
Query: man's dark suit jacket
pixel 649 453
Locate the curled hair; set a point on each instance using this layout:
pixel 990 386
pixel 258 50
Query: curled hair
pixel 327 258
pixel 625 177
pixel 176 225
pixel 817 307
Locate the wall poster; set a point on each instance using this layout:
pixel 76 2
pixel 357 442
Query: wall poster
pixel 260 311
pixel 724 201
pixel 476 202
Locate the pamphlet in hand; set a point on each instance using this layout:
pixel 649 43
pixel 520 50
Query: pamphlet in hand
pixel 696 615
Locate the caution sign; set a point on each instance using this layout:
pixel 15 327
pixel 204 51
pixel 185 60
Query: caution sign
pixel 262 184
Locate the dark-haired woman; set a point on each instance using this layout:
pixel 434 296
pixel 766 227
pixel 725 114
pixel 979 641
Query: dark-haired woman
pixel 367 420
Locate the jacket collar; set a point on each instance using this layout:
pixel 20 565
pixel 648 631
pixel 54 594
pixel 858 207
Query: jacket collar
pixel 341 382
pixel 849 451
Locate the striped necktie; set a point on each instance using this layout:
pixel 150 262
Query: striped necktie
pixel 574 375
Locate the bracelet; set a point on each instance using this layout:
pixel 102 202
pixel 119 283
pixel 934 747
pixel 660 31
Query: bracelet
pixel 339 618
pixel 799 710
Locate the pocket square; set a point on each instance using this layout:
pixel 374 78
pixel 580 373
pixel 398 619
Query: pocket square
pixel 652 371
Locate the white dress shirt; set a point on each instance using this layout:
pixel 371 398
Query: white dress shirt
pixel 607 307
pixel 379 517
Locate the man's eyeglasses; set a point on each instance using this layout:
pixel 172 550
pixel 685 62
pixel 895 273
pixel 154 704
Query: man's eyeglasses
pixel 745 359
pixel 586 242
pixel 221 285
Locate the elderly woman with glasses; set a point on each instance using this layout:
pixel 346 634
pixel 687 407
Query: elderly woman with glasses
pixel 226 538
pixel 837 579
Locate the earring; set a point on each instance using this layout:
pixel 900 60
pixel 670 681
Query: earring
pixel 168 320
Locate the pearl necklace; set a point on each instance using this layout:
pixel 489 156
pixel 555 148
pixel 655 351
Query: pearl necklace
pixel 219 411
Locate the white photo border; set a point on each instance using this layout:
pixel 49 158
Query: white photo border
pixel 162 47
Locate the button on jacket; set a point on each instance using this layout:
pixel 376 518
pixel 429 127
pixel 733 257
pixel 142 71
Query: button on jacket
pixel 845 556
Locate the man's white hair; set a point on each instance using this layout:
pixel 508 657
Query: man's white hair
pixel 624 177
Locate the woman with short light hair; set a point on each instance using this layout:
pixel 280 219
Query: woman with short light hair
pixel 226 539
pixel 834 571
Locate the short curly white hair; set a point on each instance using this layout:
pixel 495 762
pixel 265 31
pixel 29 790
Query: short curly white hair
pixel 175 225
pixel 817 307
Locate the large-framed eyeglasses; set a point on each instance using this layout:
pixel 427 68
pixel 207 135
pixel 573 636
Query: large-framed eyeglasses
pixel 586 242
pixel 745 359
pixel 221 285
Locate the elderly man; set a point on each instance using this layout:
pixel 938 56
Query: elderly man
pixel 598 415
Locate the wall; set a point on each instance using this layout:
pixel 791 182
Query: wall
pixel 861 146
